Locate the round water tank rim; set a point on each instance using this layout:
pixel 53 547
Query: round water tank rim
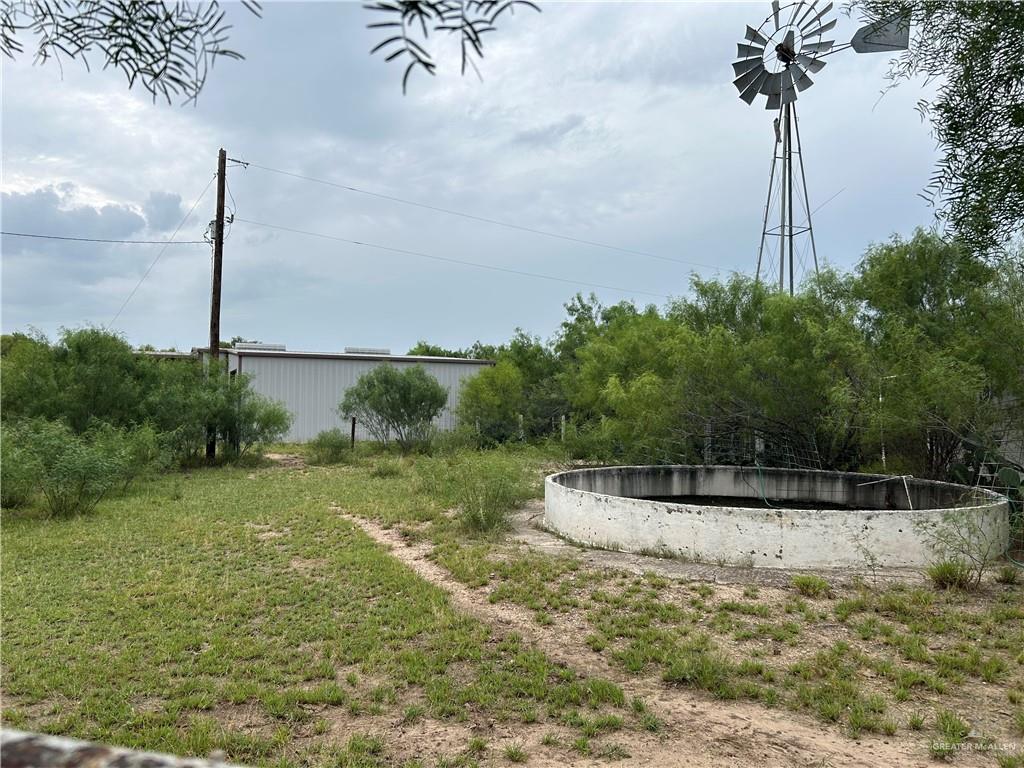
pixel 993 498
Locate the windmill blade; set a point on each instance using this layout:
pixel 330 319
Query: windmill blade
pixel 751 91
pixel 814 20
pixel 744 51
pixel 746 65
pixel 743 81
pixel 823 47
pixel 807 12
pixel 775 13
pixel 755 37
pixel 822 29
pixel 809 63
pixel 774 101
pixel 772 84
pixel 790 39
pixel 801 79
pixel 788 95
pixel 796 8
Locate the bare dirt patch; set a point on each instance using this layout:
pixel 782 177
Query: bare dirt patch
pixel 428 740
pixel 698 730
pixel 307 566
pixel 287 460
pixel 266 532
pixel 248 717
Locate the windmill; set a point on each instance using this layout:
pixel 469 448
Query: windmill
pixel 777 60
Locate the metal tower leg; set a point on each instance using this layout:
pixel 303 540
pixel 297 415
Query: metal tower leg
pixel 782 208
pixel 789 190
pixel 803 179
pixel 767 210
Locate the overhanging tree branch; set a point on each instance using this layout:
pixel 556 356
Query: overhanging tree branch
pixel 168 49
pixel 974 53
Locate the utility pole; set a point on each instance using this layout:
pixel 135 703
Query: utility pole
pixel 218 264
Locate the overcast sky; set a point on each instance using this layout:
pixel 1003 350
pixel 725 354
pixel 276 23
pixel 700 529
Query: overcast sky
pixel 615 123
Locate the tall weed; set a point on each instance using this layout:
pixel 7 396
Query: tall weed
pixel 332 446
pixel 484 487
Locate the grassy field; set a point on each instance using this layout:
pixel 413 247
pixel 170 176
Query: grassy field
pixel 239 610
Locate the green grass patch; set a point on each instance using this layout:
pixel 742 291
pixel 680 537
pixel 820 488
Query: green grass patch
pixel 515 753
pixel 950 574
pixel 150 622
pixel 952 730
pixel 809 585
pixel 387 468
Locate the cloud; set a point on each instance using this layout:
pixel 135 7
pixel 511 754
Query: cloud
pixel 551 133
pixel 51 210
pixel 615 123
pixel 163 210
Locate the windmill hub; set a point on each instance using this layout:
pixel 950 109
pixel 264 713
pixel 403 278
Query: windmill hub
pixel 786 55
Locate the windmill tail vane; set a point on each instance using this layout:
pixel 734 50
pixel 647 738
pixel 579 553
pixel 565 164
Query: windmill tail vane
pixel 776 60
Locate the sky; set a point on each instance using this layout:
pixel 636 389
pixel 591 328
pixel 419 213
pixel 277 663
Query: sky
pixel 615 123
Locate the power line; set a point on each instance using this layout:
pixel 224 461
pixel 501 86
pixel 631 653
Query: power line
pixel 484 219
pixel 102 240
pixel 451 260
pixel 161 253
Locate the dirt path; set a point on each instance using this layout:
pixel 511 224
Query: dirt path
pixel 698 731
pixel 287 460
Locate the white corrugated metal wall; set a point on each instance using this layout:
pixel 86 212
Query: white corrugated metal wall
pixel 312 387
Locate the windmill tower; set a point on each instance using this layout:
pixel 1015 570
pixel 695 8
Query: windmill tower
pixel 776 60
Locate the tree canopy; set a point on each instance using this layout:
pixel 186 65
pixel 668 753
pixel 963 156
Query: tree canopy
pixel 974 52
pixel 916 350
pixel 92 378
pixel 392 403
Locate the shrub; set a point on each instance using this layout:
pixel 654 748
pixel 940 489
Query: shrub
pixel 178 405
pixel 480 487
pixel 29 377
pixel 483 487
pixel 90 377
pixel 386 468
pixel 484 502
pixel 75 473
pixel 100 378
pixel 1008 574
pixel 964 549
pixel 402 404
pixel 453 442
pixel 137 451
pixel 244 419
pixel 492 404
pixel 950 574
pixel 811 586
pixel 19 468
pixel 329 447
pixel 260 421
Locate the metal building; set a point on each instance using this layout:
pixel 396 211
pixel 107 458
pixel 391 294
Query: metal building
pixel 311 384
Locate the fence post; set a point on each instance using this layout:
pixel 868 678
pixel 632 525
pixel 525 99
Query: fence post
pixel 563 427
pixel 353 431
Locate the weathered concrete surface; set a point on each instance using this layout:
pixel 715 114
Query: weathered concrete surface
pixel 34 750
pixel 887 522
pixel 528 528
